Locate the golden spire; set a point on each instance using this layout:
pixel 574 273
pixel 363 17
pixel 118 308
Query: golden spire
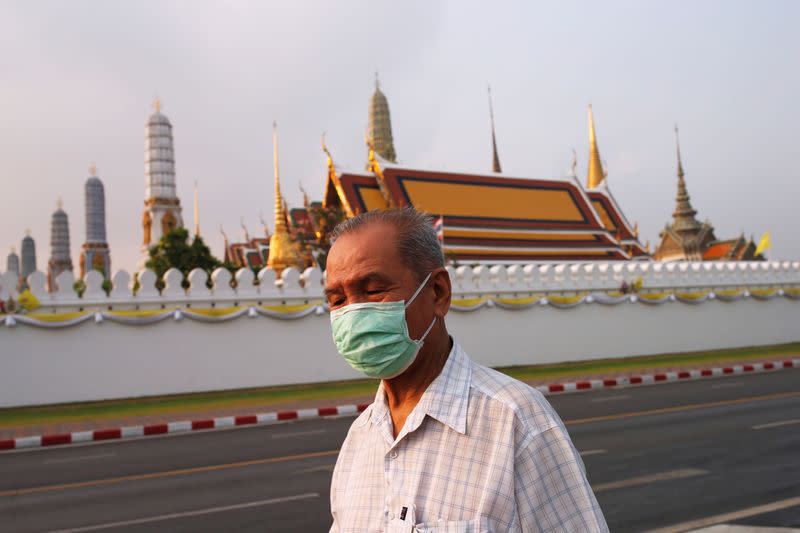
pixel 596 173
pixel 196 211
pixel 157 104
pixel 282 252
pixel 92 170
pixel 60 203
pixel 684 220
pixel 495 158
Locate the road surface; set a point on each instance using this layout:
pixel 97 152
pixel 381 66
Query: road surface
pixel 656 456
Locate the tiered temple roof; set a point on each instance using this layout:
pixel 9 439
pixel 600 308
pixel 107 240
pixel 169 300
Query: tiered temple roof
pixel 488 217
pixel 688 239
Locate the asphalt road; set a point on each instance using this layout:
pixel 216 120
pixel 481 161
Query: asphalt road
pixel 656 456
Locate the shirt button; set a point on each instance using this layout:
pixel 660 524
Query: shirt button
pixel 393 455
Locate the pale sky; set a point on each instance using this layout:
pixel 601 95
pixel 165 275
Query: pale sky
pixel 77 81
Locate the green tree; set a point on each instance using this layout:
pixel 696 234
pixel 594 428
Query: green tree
pixel 175 251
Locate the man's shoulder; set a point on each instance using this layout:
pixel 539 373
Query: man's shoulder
pixel 527 404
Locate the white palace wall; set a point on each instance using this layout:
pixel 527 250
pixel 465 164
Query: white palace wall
pixel 277 332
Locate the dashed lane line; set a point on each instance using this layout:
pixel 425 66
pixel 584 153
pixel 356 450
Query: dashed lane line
pixel 292 434
pixel 728 517
pixel 77 459
pixel 269 460
pixel 187 514
pixel 616 398
pixel 587 453
pixel 166 473
pixel 680 408
pixel 778 424
pixel 652 478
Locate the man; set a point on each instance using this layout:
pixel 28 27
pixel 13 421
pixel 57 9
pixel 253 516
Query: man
pixel 448 445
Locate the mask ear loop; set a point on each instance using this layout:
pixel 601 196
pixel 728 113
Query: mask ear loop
pixel 422 339
pixel 419 289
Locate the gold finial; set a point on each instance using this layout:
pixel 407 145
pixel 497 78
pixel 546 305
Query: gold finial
pixel 647 247
pixel 27 232
pixel 157 104
pixel 196 210
pixel 306 201
pixel 246 233
pixel 574 165
pixel 596 173
pixel 92 170
pixel 377 82
pixel 495 157
pixel 60 203
pixel 636 229
pixel 678 149
pixel 325 146
pixel 264 225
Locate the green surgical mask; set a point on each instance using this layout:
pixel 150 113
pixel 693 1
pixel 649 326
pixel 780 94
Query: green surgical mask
pixel 373 336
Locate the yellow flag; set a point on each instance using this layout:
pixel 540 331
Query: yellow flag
pixel 28 301
pixel 763 244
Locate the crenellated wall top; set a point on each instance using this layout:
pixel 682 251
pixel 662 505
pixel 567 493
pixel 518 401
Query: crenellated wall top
pixel 293 287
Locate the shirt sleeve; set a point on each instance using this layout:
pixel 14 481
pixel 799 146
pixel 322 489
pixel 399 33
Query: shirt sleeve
pixel 551 489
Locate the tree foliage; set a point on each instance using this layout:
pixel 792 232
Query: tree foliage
pixel 175 251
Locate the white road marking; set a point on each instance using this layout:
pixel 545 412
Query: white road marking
pixel 323 468
pixel 778 424
pixel 727 385
pixel 75 459
pixel 728 517
pixel 587 453
pixel 298 434
pixel 199 512
pixel 611 398
pixel 728 528
pixel 652 478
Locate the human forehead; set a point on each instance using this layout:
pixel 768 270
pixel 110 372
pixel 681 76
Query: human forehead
pixel 370 252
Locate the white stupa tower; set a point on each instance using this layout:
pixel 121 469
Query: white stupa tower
pixel 162 208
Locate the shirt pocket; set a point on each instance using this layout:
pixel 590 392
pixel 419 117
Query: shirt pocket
pixel 441 526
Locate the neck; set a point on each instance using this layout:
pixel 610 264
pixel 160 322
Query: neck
pixel 404 391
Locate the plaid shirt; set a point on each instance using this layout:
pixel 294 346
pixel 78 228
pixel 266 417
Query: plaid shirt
pixel 480 452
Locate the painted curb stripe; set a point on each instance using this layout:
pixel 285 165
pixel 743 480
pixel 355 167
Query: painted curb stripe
pixel 60 439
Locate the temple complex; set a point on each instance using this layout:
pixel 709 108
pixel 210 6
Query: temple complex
pixel 688 239
pixel 162 208
pixel 60 258
pixel 94 252
pixel 481 217
pixel 489 217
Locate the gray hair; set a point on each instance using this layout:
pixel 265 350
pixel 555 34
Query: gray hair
pixel 417 243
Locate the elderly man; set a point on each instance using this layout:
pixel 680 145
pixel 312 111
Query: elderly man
pixel 448 445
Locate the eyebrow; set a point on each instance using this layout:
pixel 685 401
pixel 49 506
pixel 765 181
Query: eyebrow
pixel 363 280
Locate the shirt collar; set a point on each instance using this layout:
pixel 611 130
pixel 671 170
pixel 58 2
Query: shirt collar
pixel 446 398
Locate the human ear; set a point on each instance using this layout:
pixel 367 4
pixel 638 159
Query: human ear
pixel 442 291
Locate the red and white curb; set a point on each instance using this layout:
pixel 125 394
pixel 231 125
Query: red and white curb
pixel 345 410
